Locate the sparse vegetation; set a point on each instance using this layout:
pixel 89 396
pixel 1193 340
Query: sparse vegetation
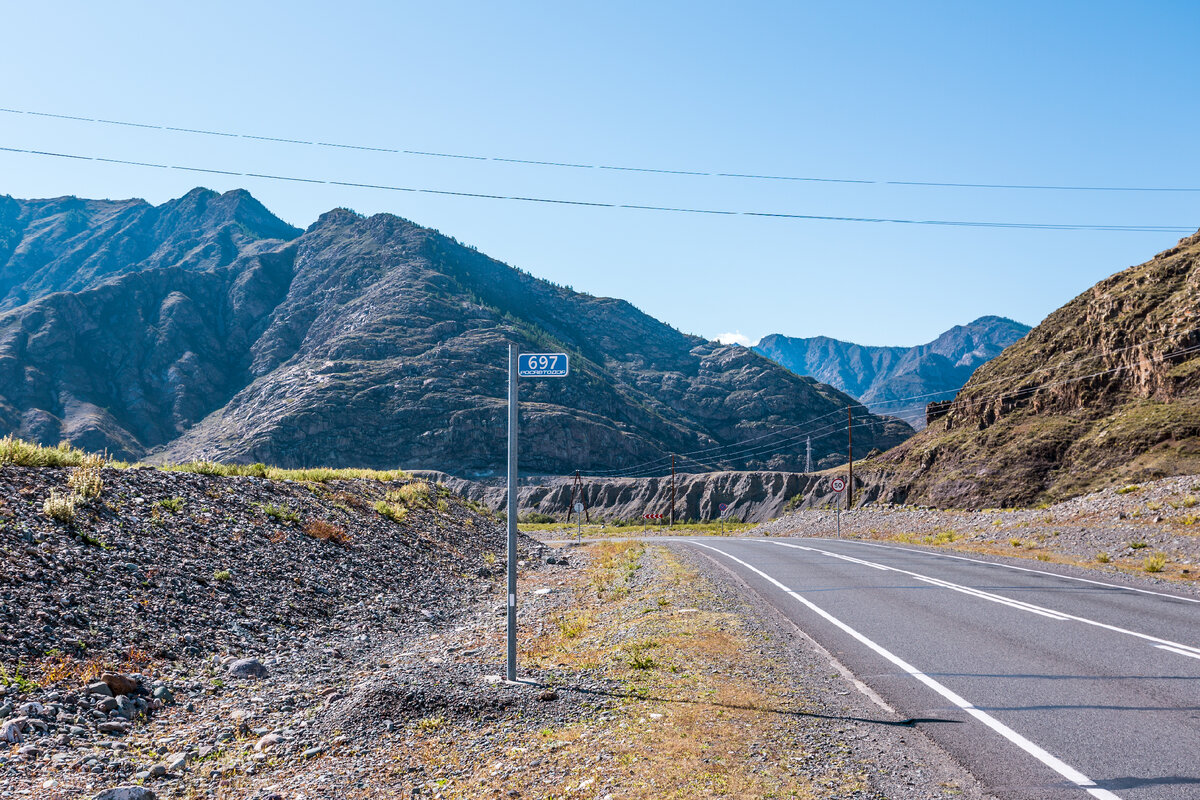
pixel 1103 557
pixel 1154 562
pixel 395 513
pixel 1130 489
pixel 86 482
pixel 172 504
pixel 415 494
pixel 280 513
pixel 326 532
pixel 60 507
pixel 222 575
pixel 1138 545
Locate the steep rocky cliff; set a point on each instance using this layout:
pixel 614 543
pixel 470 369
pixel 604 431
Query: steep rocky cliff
pixel 1106 389
pixel 363 342
pixel 883 378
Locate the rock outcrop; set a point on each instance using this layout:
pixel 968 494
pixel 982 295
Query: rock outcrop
pixel 1105 390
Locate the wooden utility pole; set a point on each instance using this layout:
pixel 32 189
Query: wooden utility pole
pixel 672 490
pixel 850 451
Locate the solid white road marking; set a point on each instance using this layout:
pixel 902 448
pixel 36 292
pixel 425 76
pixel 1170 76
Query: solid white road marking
pixel 1051 761
pixel 1177 651
pixel 1049 612
pixel 1024 569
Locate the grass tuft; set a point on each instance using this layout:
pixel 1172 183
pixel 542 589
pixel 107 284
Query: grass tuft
pixel 1154 562
pixel 60 507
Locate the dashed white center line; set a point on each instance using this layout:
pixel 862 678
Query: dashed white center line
pixel 1053 762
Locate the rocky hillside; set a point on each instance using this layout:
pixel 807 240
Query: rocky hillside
pixel 882 377
pixel 207 329
pixel 1106 390
pixel 750 496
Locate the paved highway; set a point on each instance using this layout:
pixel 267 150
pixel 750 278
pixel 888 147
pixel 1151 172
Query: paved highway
pixel 1042 685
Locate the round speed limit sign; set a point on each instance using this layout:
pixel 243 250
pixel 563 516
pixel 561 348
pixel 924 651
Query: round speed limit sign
pixel 839 485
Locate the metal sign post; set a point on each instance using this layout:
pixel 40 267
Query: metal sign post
pixel 838 486
pixel 527 365
pixel 579 522
pixel 723 508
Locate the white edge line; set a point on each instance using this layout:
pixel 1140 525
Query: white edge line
pixel 1177 651
pixel 1051 761
pixel 1012 566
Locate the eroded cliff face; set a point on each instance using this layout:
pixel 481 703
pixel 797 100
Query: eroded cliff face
pixel 367 342
pixel 1106 389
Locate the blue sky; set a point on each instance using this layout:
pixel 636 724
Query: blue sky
pixel 1045 93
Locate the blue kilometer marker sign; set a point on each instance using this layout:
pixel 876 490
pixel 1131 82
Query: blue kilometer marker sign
pixel 542 365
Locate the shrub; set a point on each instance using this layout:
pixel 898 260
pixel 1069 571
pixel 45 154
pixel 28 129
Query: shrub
pixel 1103 557
pixel 174 504
pixel 1130 489
pixel 280 514
pixel 26 454
pixel 1137 545
pixel 1154 562
pixel 415 494
pixel 390 511
pixel 85 481
pixel 222 575
pixel 60 507
pixel 536 518
pixel 318 529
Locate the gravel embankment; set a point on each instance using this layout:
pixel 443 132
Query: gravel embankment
pixel 200 634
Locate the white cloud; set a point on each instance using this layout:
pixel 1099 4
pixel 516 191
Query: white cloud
pixel 737 337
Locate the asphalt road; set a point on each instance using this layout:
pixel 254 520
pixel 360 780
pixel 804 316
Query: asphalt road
pixel 1042 685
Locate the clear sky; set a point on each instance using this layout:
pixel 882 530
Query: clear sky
pixel 1088 93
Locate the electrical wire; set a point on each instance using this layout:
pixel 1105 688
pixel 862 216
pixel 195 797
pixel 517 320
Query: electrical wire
pixel 583 166
pixel 631 206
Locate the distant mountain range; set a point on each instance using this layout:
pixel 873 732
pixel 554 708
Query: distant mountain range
pixel 897 380
pixel 208 328
pixel 1105 391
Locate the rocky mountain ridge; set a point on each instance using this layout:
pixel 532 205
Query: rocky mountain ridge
pixel 883 378
pixel 207 329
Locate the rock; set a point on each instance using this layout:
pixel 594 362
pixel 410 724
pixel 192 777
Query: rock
pixel 177 761
pixel 164 694
pixel 98 688
pixel 312 752
pixel 267 742
pixel 119 684
pixel 157 771
pixel 11 731
pixel 113 727
pixel 247 668
pixel 548 695
pixel 126 793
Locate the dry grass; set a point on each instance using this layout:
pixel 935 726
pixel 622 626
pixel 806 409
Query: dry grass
pixel 326 532
pixel 694 722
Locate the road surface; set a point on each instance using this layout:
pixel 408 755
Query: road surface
pixel 1042 685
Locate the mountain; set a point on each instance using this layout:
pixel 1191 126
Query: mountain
pixel 883 377
pixel 208 329
pixel 1106 390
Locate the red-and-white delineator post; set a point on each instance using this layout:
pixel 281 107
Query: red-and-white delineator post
pixel 527 365
pixel 838 485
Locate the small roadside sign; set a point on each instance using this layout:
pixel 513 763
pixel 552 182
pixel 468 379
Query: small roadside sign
pixel 579 508
pixel 838 485
pixel 542 365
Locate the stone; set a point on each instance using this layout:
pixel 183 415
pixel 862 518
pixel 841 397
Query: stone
pixel 177 761
pixel 247 668
pixel 548 695
pixel 164 694
pixel 113 727
pixel 119 684
pixel 312 752
pixel 98 688
pixel 267 742
pixel 126 793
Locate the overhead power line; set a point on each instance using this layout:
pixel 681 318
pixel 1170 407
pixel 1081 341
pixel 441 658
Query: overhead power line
pixel 294 140
pixel 596 204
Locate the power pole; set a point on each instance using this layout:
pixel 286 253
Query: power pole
pixel 672 490
pixel 512 512
pixel 850 450
pixel 808 455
